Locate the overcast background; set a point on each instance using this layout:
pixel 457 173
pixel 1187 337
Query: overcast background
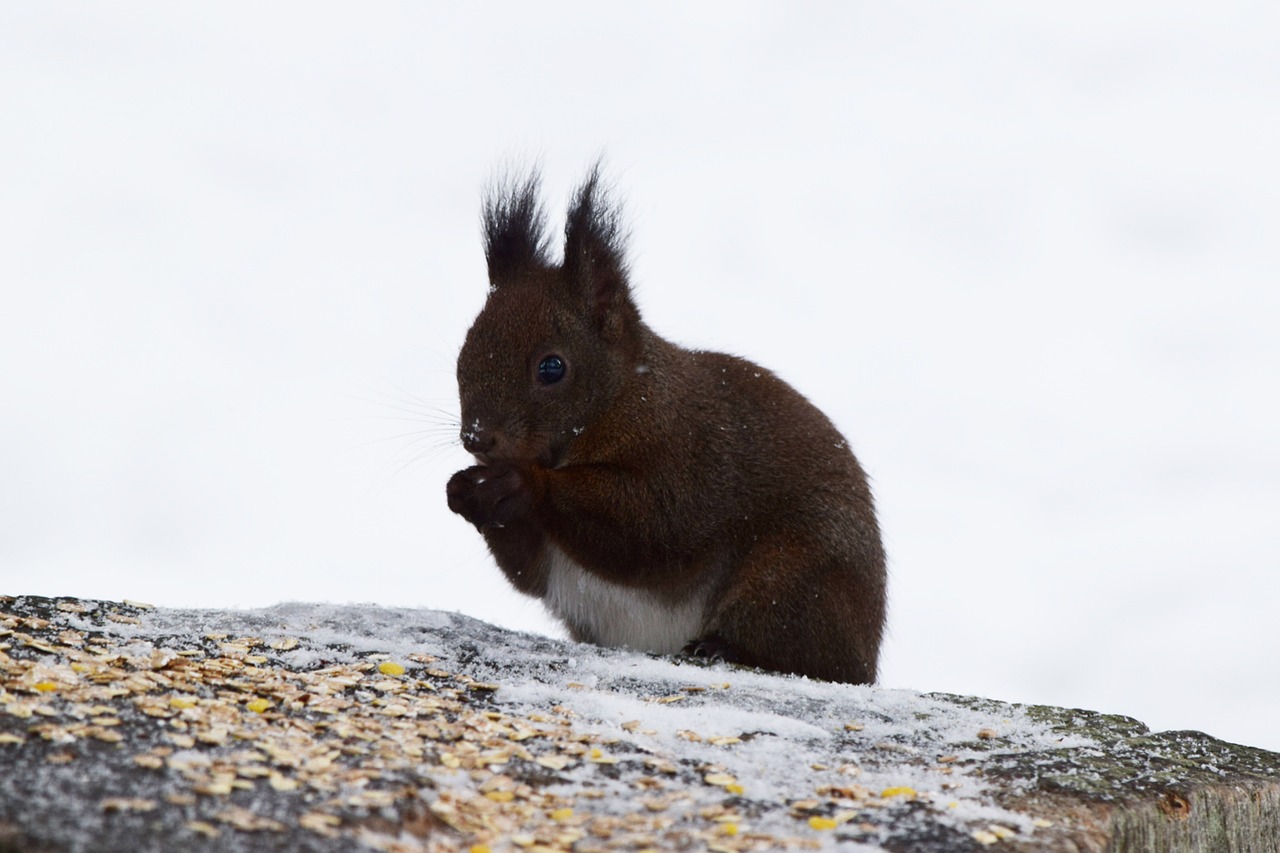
pixel 1024 255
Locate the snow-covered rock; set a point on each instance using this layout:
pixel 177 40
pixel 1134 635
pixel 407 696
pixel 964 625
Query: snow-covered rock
pixel 318 727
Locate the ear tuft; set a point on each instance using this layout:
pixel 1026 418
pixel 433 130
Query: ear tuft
pixel 594 248
pixel 514 223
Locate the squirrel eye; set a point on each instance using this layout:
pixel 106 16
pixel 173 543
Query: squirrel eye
pixel 551 370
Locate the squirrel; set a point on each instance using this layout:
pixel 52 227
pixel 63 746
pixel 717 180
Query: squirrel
pixel 663 499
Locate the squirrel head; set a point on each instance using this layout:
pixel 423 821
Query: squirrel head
pixel 555 343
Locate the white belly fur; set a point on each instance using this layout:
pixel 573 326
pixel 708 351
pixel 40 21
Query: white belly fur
pixel 615 615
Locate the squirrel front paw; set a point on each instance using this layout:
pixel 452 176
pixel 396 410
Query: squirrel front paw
pixel 488 495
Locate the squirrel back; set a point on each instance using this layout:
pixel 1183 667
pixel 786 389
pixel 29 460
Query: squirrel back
pixel 652 496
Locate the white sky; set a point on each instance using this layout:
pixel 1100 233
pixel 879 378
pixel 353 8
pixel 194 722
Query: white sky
pixel 1024 256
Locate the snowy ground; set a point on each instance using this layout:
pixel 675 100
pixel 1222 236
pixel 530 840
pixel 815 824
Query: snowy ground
pixel 731 758
pixel 1023 255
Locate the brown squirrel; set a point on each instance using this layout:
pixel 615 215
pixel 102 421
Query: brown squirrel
pixel 663 499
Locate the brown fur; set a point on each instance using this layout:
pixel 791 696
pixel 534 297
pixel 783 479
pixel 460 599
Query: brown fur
pixel 657 468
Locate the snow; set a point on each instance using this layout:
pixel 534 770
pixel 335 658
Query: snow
pixel 1022 255
pixel 786 724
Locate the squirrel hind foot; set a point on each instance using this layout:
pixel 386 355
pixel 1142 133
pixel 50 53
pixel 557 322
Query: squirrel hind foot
pixel 712 649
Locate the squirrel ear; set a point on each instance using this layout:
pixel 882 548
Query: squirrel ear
pixel 594 257
pixel 514 225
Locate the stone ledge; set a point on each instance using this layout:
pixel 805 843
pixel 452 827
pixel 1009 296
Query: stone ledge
pixel 318 728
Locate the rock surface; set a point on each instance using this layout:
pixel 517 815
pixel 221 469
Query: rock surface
pixel 315 728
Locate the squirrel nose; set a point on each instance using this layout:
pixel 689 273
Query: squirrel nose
pixel 476 441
